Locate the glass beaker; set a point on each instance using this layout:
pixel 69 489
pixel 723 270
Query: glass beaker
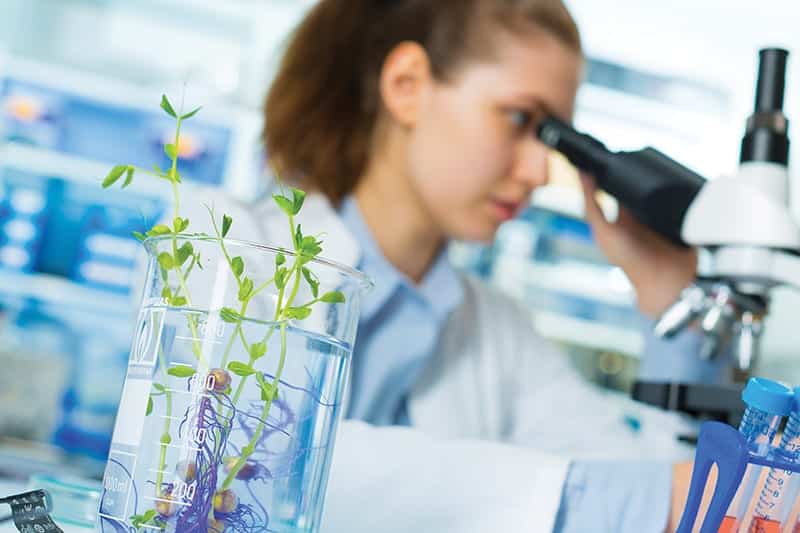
pixel 233 391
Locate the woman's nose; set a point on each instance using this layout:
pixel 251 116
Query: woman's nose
pixel 531 165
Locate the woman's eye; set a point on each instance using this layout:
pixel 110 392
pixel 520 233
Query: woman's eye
pixel 521 119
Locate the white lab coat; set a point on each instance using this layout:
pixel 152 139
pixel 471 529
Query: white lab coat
pixel 496 415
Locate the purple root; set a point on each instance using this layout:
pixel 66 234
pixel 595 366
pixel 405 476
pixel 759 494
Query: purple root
pixel 194 518
pixel 315 393
pixel 258 503
pixel 275 455
pixel 244 520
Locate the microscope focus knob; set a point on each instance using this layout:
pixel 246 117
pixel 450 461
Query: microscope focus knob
pixel 747 335
pixel 692 302
pixel 718 322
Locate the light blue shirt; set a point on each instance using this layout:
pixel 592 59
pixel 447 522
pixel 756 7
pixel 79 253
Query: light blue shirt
pixel 399 327
pixel 398 333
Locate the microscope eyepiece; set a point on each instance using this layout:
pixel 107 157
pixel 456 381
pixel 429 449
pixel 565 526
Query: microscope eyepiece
pixel 771 79
pixel 656 189
pixel 766 137
pixel 584 151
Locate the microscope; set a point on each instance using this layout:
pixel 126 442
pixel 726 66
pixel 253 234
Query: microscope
pixel 747 240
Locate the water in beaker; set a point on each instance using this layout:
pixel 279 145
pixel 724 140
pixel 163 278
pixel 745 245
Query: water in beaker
pixel 227 422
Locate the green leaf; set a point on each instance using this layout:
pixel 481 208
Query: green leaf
pixel 181 371
pixel 114 175
pixel 298 237
pixel 298 313
pixel 312 280
pixel 237 265
pixel 164 274
pixel 149 406
pixel 286 205
pixel 170 150
pixel 280 277
pixel 257 350
pixel 280 259
pixel 139 236
pixel 166 261
pixel 226 224
pixel 184 252
pixel 177 301
pixel 268 391
pixel 334 297
pixel 310 247
pixel 166 106
pixel 180 224
pixel 190 114
pixel 229 315
pixel 159 387
pixel 241 369
pixel 245 289
pixel 159 229
pixel 298 197
pixel 129 176
pixel 138 520
pixel 166 292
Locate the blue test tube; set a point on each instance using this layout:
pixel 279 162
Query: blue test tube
pixel 780 488
pixel 767 403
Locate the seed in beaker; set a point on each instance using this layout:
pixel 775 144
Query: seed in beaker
pixel 225 501
pixel 186 470
pixel 219 379
pixel 247 472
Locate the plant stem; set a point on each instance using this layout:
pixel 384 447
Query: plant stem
pixel 167 422
pixel 278 310
pixel 173 172
pixel 237 331
pixel 173 176
pixel 262 287
pixel 248 450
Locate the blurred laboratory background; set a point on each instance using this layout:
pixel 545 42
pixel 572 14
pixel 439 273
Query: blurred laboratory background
pixel 80 82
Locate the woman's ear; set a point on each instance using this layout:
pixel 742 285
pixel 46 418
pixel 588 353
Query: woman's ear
pixel 405 76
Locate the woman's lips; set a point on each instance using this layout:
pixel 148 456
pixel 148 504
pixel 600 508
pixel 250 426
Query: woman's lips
pixel 505 210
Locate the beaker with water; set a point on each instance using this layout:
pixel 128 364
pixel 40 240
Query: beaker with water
pixel 233 390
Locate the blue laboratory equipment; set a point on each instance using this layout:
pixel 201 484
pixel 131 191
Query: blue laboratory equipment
pixel 85 127
pixel 767 403
pixel 781 487
pixel 30 115
pixel 67 257
pixel 739 456
pixel 24 206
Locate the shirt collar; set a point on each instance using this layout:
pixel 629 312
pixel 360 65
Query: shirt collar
pixel 441 289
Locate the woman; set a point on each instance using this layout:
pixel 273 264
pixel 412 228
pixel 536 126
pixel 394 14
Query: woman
pixel 413 120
